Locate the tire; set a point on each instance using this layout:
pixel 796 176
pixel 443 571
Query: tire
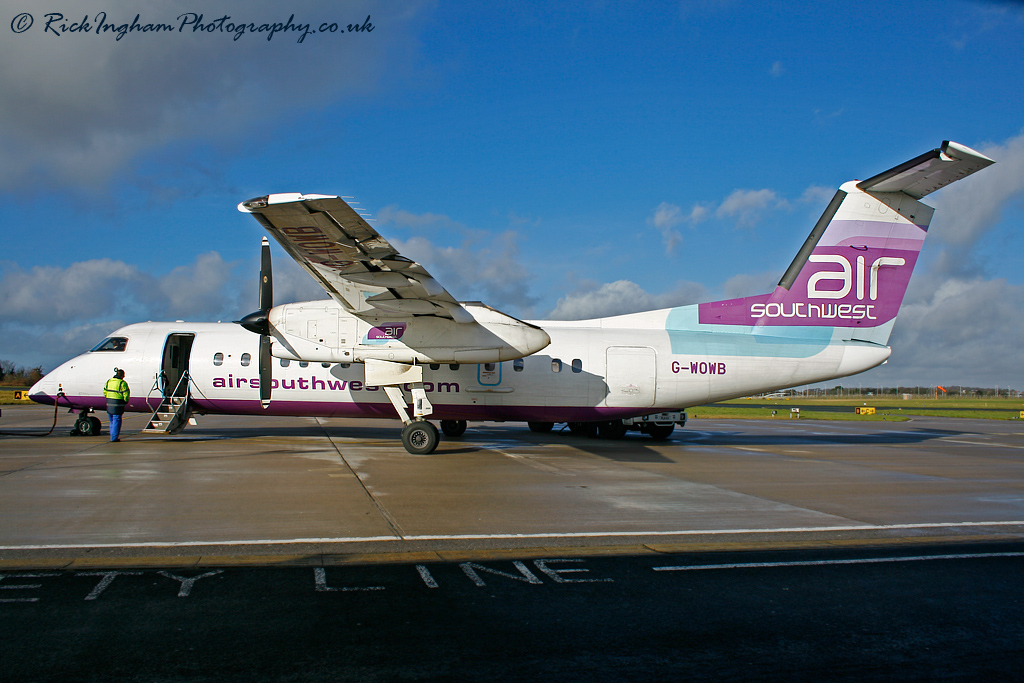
pixel 97 426
pixel 613 429
pixel 420 437
pixel 85 426
pixel 453 428
pixel 587 429
pixel 541 427
pixel 660 432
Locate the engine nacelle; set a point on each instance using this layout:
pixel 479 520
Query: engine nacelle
pixel 323 332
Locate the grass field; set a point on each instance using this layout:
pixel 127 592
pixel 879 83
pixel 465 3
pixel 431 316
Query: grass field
pixel 891 408
pixel 7 398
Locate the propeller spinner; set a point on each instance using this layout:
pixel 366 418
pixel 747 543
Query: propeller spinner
pixel 259 322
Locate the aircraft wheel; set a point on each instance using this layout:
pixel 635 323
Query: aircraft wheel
pixel 587 429
pixel 541 427
pixel 660 432
pixel 453 427
pixel 613 429
pixel 97 426
pixel 420 437
pixel 85 426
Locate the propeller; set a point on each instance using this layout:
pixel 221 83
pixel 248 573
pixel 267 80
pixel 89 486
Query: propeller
pixel 259 322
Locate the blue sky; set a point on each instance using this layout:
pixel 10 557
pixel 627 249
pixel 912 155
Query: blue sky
pixel 551 159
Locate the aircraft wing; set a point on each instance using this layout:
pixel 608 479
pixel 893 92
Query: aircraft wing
pixel 359 269
pixel 928 172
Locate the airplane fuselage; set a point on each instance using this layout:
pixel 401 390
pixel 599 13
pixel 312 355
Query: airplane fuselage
pixel 602 369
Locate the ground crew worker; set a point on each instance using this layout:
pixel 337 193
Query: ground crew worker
pixel 117 393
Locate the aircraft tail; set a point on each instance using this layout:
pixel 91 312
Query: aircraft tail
pixel 852 271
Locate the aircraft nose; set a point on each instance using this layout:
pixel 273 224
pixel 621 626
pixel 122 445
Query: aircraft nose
pixel 45 390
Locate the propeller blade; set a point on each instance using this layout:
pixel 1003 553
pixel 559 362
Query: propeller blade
pixel 266 379
pixel 266 278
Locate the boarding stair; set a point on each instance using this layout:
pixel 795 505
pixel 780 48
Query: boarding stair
pixel 174 412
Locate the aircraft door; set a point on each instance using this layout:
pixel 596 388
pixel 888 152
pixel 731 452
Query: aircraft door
pixel 631 376
pixel 174 366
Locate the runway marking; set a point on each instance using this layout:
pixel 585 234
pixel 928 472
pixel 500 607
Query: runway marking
pixel 816 563
pixel 427 577
pixel 977 443
pixel 499 537
pixel 187 582
pixel 24 586
pixel 320 579
pixel 526 460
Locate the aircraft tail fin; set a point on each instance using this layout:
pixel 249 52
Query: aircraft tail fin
pixel 853 270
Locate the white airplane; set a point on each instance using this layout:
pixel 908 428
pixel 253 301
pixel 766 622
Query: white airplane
pixel 390 333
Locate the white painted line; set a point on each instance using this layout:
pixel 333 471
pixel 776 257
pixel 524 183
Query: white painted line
pixel 976 443
pixel 526 460
pixel 427 577
pixel 506 537
pixel 816 563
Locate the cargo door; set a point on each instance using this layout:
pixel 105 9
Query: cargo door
pixel 631 376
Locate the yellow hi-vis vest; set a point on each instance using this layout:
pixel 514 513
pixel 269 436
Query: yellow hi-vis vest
pixel 116 389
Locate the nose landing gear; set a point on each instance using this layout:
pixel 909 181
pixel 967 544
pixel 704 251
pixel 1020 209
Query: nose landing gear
pixel 87 425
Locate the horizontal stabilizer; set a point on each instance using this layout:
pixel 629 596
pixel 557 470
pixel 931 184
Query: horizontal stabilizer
pixel 928 172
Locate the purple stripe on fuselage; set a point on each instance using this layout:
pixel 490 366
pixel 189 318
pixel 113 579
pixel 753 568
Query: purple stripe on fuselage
pixel 365 410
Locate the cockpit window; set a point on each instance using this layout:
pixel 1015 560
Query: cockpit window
pixel 112 344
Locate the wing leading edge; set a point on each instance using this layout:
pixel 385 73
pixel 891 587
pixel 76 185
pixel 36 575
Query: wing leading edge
pixel 357 267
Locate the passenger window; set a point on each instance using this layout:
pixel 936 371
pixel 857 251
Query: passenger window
pixel 285 363
pixel 303 364
pixel 556 365
pixel 435 366
pixel 577 365
pixel 112 344
pixel 325 365
pixel 218 358
pixel 489 367
pixel 518 364
pixel 245 359
pixel 453 366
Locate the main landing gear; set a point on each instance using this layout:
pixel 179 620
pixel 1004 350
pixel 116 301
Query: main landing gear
pixel 453 428
pixel 420 437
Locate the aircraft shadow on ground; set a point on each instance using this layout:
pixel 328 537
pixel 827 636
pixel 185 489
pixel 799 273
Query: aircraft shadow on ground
pixel 632 448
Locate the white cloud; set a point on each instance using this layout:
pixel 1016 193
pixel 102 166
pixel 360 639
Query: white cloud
pixel 969 208
pixel 817 195
pixel 491 273
pixel 76 108
pixel 748 206
pixel 959 331
pixel 49 313
pixel 750 284
pixel 667 216
pixel 406 219
pixel 99 288
pixel 623 296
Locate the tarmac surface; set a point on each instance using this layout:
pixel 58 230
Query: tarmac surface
pixel 323 490
pixel 304 548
